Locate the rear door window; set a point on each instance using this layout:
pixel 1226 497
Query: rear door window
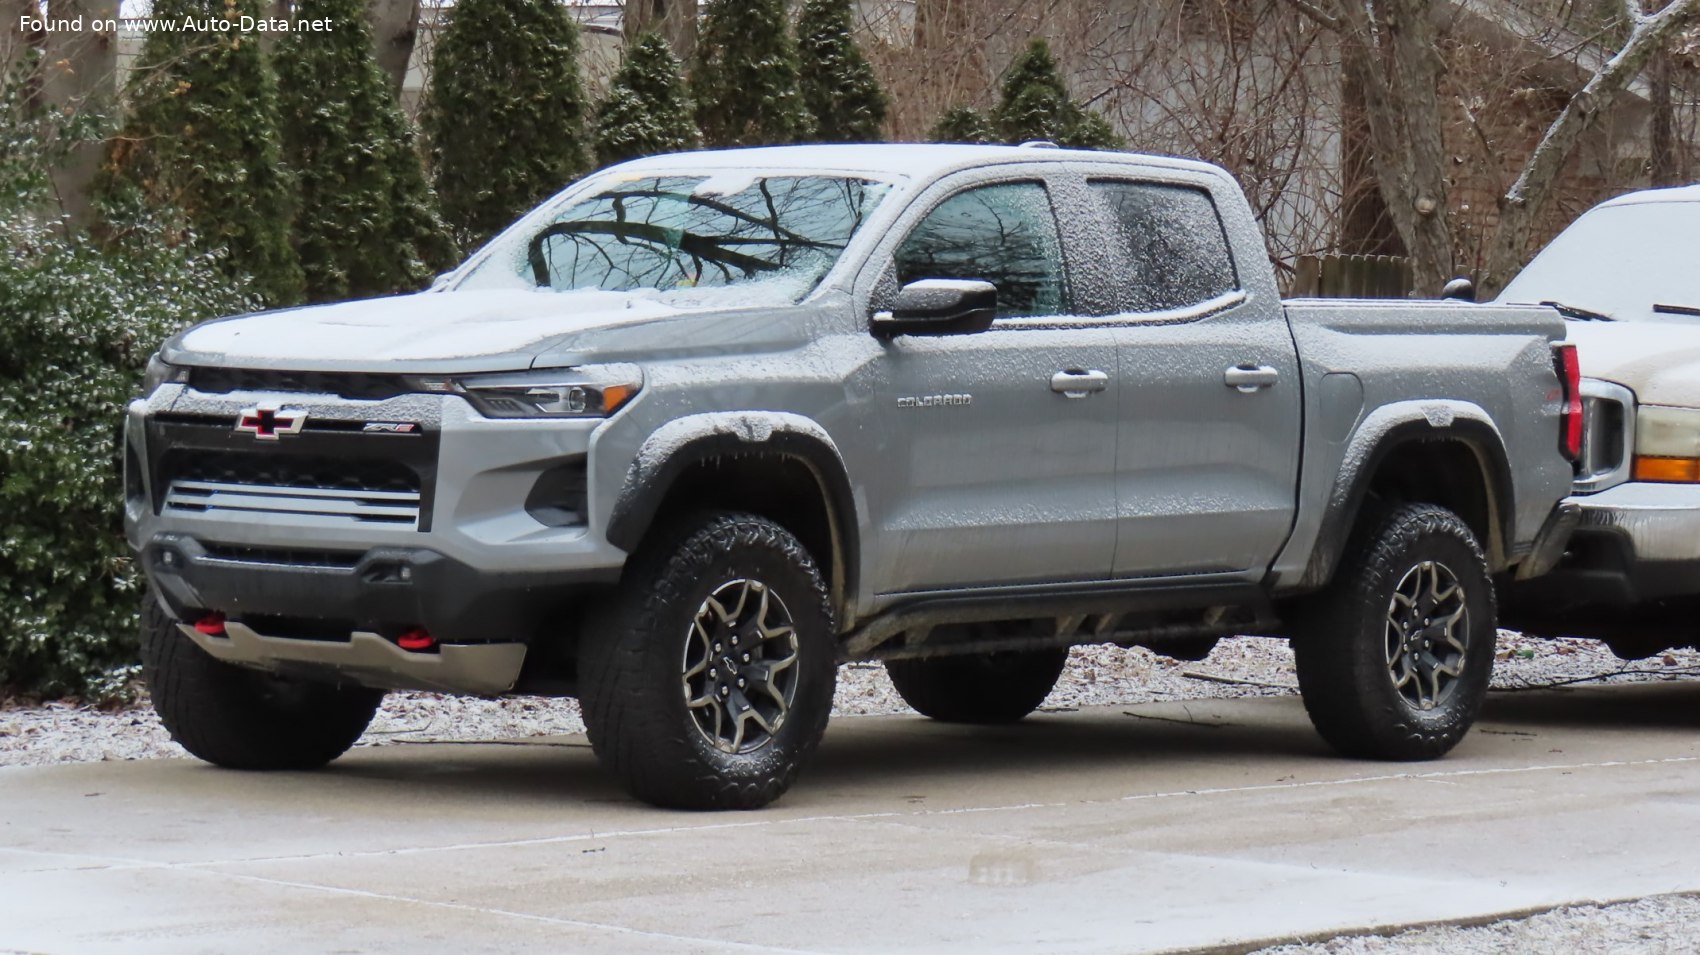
pixel 1171 250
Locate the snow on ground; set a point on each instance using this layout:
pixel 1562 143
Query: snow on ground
pixel 1097 675
pixel 1657 926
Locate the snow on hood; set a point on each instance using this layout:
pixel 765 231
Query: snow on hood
pixel 1658 360
pixel 451 331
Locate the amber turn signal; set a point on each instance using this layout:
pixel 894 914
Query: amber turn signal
pixel 1667 470
pixel 613 396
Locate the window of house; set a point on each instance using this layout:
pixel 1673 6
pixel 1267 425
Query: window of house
pixel 1003 234
pixel 1171 248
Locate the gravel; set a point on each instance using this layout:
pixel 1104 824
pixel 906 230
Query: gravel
pixel 1657 926
pixel 1096 676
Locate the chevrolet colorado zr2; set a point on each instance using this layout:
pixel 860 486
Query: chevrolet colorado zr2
pixel 704 426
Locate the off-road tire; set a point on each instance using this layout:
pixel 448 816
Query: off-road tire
pixel 245 719
pixel 978 688
pixel 631 657
pixel 1340 639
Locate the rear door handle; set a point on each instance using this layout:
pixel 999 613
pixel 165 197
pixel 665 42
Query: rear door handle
pixel 1249 378
pixel 1075 383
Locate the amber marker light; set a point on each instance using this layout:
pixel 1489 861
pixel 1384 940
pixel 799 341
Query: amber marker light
pixel 1667 445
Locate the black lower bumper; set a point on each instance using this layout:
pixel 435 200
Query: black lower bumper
pixel 383 590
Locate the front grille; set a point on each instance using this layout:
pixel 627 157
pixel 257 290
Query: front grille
pixel 384 492
pixel 283 556
pixel 370 506
pixel 264 469
pixel 353 385
pixel 1608 427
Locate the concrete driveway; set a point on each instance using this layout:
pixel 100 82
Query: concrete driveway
pixel 1119 830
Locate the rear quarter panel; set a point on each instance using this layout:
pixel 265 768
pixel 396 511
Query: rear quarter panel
pixel 1372 369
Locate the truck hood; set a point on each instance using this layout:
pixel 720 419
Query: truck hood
pixel 430 331
pixel 1658 360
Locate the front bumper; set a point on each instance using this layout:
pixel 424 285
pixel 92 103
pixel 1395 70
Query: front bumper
pixel 320 547
pixel 486 669
pixel 1660 522
pixel 1633 562
pixel 475 479
pixel 384 589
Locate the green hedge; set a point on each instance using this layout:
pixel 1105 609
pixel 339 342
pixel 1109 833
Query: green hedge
pixel 78 320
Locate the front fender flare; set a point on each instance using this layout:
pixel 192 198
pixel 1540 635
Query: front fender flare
pixel 683 442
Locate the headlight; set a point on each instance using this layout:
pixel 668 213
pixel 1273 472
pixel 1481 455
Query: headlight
pixel 593 391
pixel 1667 444
pixel 159 373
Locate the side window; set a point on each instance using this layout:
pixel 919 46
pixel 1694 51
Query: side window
pixel 1003 234
pixel 1170 240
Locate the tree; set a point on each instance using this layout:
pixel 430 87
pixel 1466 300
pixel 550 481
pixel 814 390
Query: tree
pixel 744 77
pixel 395 28
pixel 1389 50
pixel 16 42
pixel 675 20
pixel 505 113
pixel 81 319
pixel 79 76
pixel 1036 105
pixel 367 223
pixel 838 84
pixel 964 124
pixel 647 110
pixel 202 138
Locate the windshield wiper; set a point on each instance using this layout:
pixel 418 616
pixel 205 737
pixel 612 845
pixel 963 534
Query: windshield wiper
pixel 1676 309
pixel 1579 313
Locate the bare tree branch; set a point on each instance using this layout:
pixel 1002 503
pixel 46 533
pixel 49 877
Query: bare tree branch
pixel 1533 187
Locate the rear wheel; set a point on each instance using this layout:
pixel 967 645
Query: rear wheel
pixel 984 688
pixel 1395 657
pixel 708 678
pixel 240 718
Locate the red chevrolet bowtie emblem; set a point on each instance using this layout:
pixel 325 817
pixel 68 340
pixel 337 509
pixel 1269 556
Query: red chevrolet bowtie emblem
pixel 269 422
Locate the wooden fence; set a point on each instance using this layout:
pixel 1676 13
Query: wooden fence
pixel 1352 276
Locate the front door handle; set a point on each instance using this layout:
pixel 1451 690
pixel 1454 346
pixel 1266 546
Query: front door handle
pixel 1075 383
pixel 1249 378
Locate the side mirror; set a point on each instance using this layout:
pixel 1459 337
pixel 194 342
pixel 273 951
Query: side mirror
pixel 1462 289
pixel 939 307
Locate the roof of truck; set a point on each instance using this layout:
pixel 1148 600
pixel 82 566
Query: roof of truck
pixel 888 159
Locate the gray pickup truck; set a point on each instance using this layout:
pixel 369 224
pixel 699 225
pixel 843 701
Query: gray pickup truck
pixel 704 426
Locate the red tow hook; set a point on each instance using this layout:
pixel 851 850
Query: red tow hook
pixel 212 625
pixel 416 639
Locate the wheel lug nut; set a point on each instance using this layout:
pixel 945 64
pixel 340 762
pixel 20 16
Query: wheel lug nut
pixel 713 674
pixel 734 641
pixel 746 658
pixel 725 691
pixel 740 683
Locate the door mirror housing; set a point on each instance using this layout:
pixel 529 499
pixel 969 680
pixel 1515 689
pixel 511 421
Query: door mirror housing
pixel 939 307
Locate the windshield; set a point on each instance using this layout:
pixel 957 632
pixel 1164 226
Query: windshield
pixel 771 238
pixel 1620 261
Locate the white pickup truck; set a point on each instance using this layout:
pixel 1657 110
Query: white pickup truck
pixel 1626 278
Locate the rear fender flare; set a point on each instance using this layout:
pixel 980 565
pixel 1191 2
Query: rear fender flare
pixel 1399 425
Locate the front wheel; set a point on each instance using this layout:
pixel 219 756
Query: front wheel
pixel 1394 658
pixel 245 719
pixel 708 677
